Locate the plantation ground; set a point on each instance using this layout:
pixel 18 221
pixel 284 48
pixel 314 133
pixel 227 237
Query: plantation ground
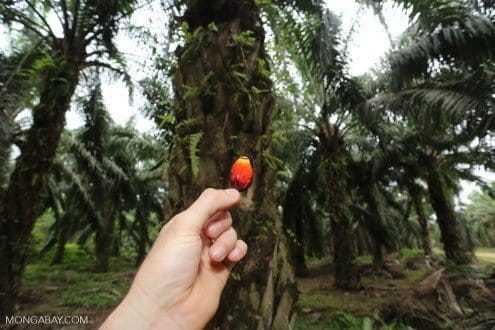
pixel 73 289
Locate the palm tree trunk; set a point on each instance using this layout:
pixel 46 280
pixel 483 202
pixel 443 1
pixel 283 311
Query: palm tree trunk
pixel 338 204
pixel 299 252
pixel 376 225
pixel 223 97
pixel 62 239
pixel 449 228
pixel 345 270
pixel 415 193
pixel 142 236
pixel 6 137
pixel 292 219
pixel 103 241
pixel 27 188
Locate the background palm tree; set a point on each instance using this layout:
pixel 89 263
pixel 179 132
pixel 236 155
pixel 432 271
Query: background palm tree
pixel 88 31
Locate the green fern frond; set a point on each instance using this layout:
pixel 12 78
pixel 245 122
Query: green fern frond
pixel 193 152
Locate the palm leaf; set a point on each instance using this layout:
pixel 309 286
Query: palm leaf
pixel 469 42
pixel 79 190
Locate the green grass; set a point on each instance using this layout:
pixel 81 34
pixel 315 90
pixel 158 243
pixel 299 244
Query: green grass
pixel 345 321
pixel 366 259
pixel 73 283
pixel 413 275
pixel 335 300
pixel 409 253
pixel 486 255
pixel 336 321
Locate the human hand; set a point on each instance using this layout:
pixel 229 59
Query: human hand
pixel 179 284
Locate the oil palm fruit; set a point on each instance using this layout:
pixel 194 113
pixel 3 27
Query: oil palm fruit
pixel 241 174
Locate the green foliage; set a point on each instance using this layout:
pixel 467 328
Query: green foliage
pixel 337 321
pixel 480 215
pixel 212 27
pixel 205 88
pixel 244 39
pixel 75 285
pixel 409 253
pixel 194 41
pixel 194 140
pixel 261 68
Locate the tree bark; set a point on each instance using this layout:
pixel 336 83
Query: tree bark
pixel 415 193
pixel 27 188
pixel 62 239
pixel 449 228
pixel 338 205
pixel 345 270
pixel 223 97
pixel 103 241
pixel 292 219
pixel 376 224
pixel 142 236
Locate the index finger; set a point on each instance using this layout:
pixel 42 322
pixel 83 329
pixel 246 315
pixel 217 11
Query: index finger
pixel 208 204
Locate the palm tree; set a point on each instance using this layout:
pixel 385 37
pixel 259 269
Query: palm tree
pixel 88 31
pixel 442 85
pixel 480 214
pixel 99 176
pixel 298 209
pixel 328 97
pixel 416 192
pixel 434 148
pixel 15 94
pixel 224 107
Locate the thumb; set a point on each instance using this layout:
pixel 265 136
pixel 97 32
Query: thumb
pixel 207 205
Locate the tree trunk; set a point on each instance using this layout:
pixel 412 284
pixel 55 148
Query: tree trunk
pixel 103 241
pixel 299 250
pixel 224 101
pixel 117 242
pixel 292 219
pixel 142 238
pixel 28 183
pixel 415 193
pixel 376 224
pixel 6 137
pixel 338 205
pixel 449 228
pixel 62 239
pixel 345 270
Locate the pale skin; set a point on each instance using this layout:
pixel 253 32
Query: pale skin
pixel 179 284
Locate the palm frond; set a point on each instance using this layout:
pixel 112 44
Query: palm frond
pixel 85 158
pixel 468 42
pixel 469 97
pixel 431 14
pixel 78 188
pixel 113 170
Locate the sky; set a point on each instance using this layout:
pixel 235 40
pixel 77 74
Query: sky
pixel 367 46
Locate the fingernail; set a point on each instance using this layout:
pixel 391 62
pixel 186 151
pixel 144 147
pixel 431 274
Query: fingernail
pixel 218 252
pixel 235 254
pixel 214 228
pixel 232 193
